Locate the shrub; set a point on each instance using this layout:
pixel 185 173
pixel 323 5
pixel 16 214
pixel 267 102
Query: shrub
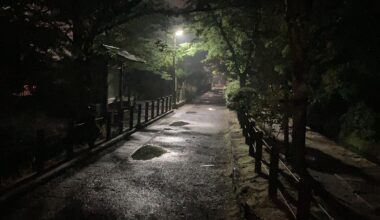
pixel 359 119
pixel 242 98
pixel 231 88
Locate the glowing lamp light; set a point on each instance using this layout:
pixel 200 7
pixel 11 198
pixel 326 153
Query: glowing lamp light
pixel 179 33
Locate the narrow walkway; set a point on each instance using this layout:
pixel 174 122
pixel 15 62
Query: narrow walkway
pixel 191 181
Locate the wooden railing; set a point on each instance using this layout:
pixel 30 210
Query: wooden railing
pixel 139 114
pixel 282 180
pixel 114 123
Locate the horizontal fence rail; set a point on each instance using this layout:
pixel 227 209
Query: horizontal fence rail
pixel 282 180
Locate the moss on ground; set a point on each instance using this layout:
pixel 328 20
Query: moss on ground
pixel 148 152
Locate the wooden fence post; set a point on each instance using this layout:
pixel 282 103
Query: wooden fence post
pixel 121 120
pixel 138 115
pixel 131 113
pixel 244 125
pixel 285 125
pixel 251 132
pixel 273 171
pixel 304 197
pixel 170 102
pixel 108 125
pixel 40 150
pixel 163 105
pixel 246 128
pixel 152 110
pixel 259 151
pixel 158 107
pixel 166 103
pixel 146 111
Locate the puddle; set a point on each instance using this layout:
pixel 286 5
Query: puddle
pixel 148 152
pixel 179 123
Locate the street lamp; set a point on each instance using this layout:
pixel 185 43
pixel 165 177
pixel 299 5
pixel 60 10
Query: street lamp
pixel 178 33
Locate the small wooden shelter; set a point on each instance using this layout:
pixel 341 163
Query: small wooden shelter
pixel 115 76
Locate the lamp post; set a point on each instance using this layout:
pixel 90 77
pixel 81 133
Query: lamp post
pixel 176 34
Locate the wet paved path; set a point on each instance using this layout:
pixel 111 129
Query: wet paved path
pixel 191 181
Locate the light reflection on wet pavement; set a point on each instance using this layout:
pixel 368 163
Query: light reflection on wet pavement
pixel 191 181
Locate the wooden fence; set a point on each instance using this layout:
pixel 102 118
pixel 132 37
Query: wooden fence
pixel 282 180
pixel 114 123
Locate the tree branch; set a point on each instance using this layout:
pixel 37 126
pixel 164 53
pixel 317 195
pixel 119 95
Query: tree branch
pixel 228 42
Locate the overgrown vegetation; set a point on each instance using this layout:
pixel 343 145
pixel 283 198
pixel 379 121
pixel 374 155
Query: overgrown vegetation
pixel 317 57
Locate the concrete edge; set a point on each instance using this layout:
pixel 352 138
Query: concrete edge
pixel 39 179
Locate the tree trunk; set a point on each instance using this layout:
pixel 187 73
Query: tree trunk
pixel 297 12
pixel 299 125
pixel 285 125
pixel 81 80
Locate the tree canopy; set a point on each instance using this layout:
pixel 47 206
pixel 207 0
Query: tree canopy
pixel 321 58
